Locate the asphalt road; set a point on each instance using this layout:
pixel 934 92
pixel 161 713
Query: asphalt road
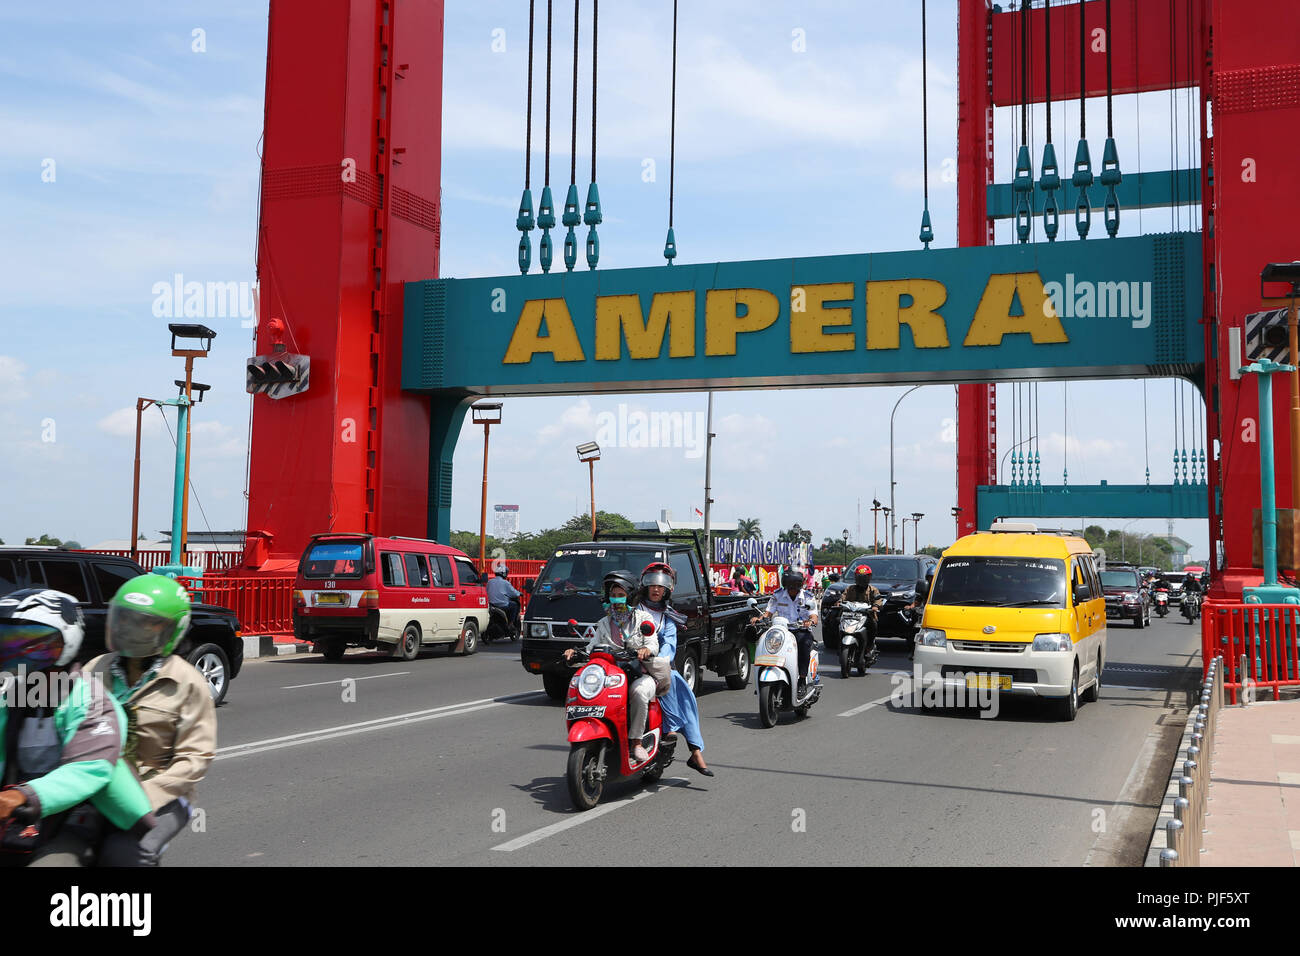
pixel 461 761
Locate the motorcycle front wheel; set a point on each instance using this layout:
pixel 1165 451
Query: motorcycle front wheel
pixel 846 662
pixel 769 704
pixel 585 787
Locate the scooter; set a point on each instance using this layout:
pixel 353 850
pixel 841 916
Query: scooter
pixel 1162 602
pixel 499 625
pixel 778 673
pixel 596 714
pixel 856 623
pixel 1191 606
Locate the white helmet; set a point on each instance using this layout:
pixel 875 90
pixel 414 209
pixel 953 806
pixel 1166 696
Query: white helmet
pixel 39 628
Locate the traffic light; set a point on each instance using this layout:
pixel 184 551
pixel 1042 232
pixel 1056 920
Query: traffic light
pixel 278 375
pixel 1267 336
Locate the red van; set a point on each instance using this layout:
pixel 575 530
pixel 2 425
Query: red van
pixel 400 594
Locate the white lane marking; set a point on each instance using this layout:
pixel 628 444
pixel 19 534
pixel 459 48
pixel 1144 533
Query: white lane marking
pixel 326 683
pixel 528 839
pixel 1129 687
pixel 872 703
pixel 345 730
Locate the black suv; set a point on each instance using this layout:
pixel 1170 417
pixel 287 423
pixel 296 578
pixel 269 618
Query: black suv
pixel 898 577
pixel 213 643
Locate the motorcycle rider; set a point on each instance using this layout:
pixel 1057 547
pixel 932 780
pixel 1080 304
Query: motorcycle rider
pixel 1192 585
pixel 66 750
pixel 862 591
pixel 794 604
pixel 621 626
pixel 172 736
pixel 502 594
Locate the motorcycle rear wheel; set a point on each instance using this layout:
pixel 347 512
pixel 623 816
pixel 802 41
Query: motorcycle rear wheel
pixel 769 704
pixel 585 788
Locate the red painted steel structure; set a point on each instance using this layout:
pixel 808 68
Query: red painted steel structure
pixel 1247 66
pixel 351 168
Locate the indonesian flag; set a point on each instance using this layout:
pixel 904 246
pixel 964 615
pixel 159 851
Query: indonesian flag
pixel 699 512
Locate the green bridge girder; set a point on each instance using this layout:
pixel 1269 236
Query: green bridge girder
pixel 1102 500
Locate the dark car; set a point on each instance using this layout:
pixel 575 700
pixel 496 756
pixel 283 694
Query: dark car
pixel 1126 597
pixel 898 577
pixel 213 643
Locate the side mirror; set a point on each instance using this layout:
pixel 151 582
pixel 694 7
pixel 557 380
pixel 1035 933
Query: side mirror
pixel 751 603
pixel 1081 593
pixel 528 585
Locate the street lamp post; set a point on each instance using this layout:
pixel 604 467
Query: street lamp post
pixel 891 525
pixel 904 523
pixel 1121 536
pixel 846 547
pixel 486 414
pixel 916 535
pixel 887 512
pixel 590 453
pixel 956 517
pixel 875 530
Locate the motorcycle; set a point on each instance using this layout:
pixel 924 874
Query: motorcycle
pixel 1191 606
pixel 856 623
pixel 499 625
pixel 778 673
pixel 596 714
pixel 1162 602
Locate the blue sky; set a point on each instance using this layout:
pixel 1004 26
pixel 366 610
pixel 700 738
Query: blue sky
pixel 798 133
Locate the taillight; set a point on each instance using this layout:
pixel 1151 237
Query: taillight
pixel 299 600
pixel 369 599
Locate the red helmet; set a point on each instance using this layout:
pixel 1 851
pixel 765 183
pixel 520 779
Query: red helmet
pixel 862 574
pixel 659 573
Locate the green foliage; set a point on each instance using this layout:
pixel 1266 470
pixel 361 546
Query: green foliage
pixel 795 535
pixel 748 528
pixel 44 541
pixel 541 545
pixel 1139 549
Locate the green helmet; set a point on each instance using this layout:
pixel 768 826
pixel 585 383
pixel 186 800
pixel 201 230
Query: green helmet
pixel 147 616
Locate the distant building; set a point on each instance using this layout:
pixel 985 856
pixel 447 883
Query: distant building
pixel 505 521
pixel 667 522
pixel 1182 552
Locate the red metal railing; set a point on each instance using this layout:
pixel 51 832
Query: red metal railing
pixel 207 560
pixel 263 604
pixel 1264 634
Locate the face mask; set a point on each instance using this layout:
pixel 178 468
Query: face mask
pixel 618 601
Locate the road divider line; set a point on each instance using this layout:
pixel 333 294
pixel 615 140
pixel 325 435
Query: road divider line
pixel 344 730
pixel 326 683
pixel 528 839
pixel 873 703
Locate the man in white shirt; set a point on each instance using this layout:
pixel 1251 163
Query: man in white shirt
pixel 798 607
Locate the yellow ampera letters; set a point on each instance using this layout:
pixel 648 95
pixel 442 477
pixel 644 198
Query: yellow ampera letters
pixel 721 323
pixel 885 315
pixel 619 317
pixel 808 327
pixel 561 338
pixel 993 319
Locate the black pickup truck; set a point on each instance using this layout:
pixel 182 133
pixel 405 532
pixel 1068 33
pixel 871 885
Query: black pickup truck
pixel 570 588
pixel 212 644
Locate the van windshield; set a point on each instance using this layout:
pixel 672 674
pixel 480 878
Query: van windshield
pixel 340 559
pixel 1000 582
pixel 582 570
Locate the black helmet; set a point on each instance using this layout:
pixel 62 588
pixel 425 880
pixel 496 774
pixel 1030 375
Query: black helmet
pixel 623 579
pixel 792 579
pixel 862 575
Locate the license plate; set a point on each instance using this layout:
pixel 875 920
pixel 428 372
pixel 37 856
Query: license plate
pixel 769 660
pixel 584 710
pixel 336 599
pixel 988 681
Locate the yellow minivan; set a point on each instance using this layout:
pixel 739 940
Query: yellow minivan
pixel 1018 611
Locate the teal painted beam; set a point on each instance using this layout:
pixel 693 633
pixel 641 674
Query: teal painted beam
pixel 1135 191
pixel 1123 308
pixel 1103 500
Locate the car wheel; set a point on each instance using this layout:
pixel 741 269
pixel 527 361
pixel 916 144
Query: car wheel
pixel 1068 707
pixel 740 679
pixel 556 684
pixel 408 648
pixel 1093 693
pixel 470 638
pixel 691 672
pixel 211 661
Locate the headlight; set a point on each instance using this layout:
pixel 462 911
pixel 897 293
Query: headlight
pixel 591 681
pixel 1130 598
pixel 1053 642
pixel 615 680
pixel 932 637
pixel 537 630
pixel 774 641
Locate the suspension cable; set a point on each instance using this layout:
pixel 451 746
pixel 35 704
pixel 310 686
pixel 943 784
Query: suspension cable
pixel 672 133
pixel 1110 47
pixel 528 136
pixel 925 114
pixel 573 139
pixel 1047 63
pixel 595 20
pixel 1146 438
pixel 1083 74
pixel 548 91
pixel 1024 73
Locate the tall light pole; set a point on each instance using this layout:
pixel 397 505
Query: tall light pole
pixel 956 517
pixel 486 414
pixel 891 525
pixel 846 547
pixel 708 467
pixel 875 529
pixel 887 512
pixel 590 453
pixel 1121 536
pixel 904 523
pixel 181 498
pixel 916 535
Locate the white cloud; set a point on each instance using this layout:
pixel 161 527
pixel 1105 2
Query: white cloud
pixel 12 384
pixel 578 417
pixel 121 423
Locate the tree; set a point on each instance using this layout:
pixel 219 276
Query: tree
pixel 748 528
pixel 44 541
pixel 796 535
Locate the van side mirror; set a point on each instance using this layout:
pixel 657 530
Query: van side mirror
pixel 1082 593
pixel 528 585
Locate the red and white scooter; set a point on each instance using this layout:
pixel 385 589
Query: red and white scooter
pixel 596 712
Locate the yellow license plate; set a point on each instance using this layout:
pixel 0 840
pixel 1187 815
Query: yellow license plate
pixel 988 681
pixel 340 599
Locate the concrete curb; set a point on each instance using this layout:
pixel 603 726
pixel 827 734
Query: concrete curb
pixel 264 645
pixel 1158 837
